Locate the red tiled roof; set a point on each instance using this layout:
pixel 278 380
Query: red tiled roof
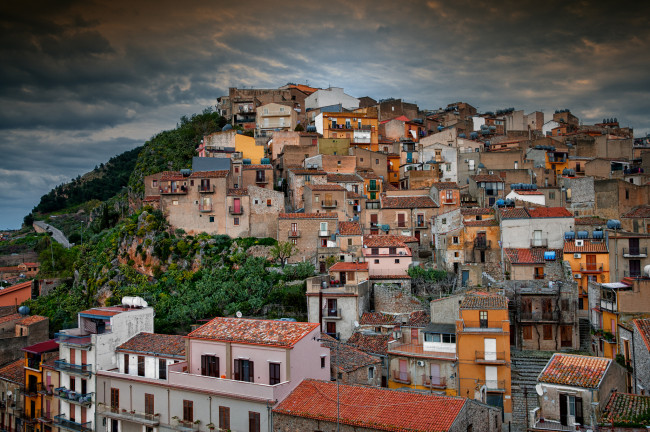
pixel 154 343
pixel 16 287
pixel 491 178
pixel 591 220
pixel 308 216
pixel 446 185
pixel 368 175
pixel 349 228
pixel 626 408
pixel 354 195
pixel 371 407
pixel 415 319
pixel 257 167
pixel 303 88
pixel 253 331
pixel 238 192
pixel 370 343
pixel 639 212
pixel 514 213
pixel 588 247
pixel 14 372
pixel 575 370
pixel 151 198
pixel 171 175
pixel 549 212
pixel 389 187
pixel 12 317
pixel 31 320
pixel 346 358
pixel 643 326
pixel 349 266
pixel 209 174
pixel 344 178
pixel 326 187
pixel 481 223
pixel 389 276
pixel 474 211
pixel 379 241
pixel 529 256
pixel 302 171
pixel 401 118
pixel 407 202
pixel 105 312
pixel 483 300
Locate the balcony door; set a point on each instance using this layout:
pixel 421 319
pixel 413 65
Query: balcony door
pixel 294 228
pixel 634 246
pixel 537 238
pixel 236 204
pixel 591 262
pixel 491 377
pixel 435 374
pixel 403 370
pixel 490 347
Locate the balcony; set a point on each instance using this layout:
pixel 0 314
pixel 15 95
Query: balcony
pixel 373 188
pixel 421 225
pixel 86 370
pixel 423 351
pixel 635 252
pixel 323 233
pixel 539 316
pixel 206 189
pixel 294 233
pixel 33 363
pixel 401 377
pixel 45 389
pixel 233 211
pixel 184 425
pixel 64 423
pixel 608 305
pixel 83 399
pixel 632 273
pixel 487 357
pixel 205 207
pixel 178 190
pixel 132 416
pixel 482 243
pixel 493 385
pixel 31 391
pixel 591 268
pixel 70 337
pixel 439 383
pixel 539 242
pixel 448 201
pixel 261 180
pixel 332 313
pixel 329 204
pixel 44 416
pixel 29 419
pixel 483 326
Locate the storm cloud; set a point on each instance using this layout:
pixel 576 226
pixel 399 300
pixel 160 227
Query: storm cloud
pixel 83 81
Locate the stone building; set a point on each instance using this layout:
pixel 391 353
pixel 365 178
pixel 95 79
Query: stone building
pixel 352 366
pixel 308 232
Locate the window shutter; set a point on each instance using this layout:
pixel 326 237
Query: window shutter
pixel 251 372
pixel 579 418
pixel 203 366
pixel 237 370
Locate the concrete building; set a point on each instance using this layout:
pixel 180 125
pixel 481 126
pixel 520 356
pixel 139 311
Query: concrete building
pixel 275 117
pixel 12 386
pixel 308 232
pixel 388 255
pixel 534 227
pixel 331 96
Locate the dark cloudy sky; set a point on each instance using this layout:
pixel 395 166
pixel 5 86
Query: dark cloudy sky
pixel 81 81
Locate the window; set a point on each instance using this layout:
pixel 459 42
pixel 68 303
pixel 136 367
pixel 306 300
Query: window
pixel 236 221
pixel 253 421
pixel 236 169
pixel 316 198
pixel 551 195
pixel 188 411
pixel 211 218
pixel 269 203
pixel 294 241
pixel 73 382
pixel 126 363
pixel 148 403
pixel 376 161
pixel 162 369
pixel 371 372
pixel 349 242
pixel 323 226
pixel 627 194
pixel 444 221
pixel 374 251
pixel 322 362
pixel 376 261
pixel 539 272
pixel 140 365
pixel 210 365
pixel 224 418
pixel 483 319
pixel 455 240
pixel 396 260
pixel 392 251
pixel 274 373
pixel 448 338
pixel 323 242
pixel 154 183
pixel 432 337
pixel 548 332
pixel 115 398
pixel 244 370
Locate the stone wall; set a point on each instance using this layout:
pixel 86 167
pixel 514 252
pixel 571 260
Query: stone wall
pixel 481 418
pixel 395 297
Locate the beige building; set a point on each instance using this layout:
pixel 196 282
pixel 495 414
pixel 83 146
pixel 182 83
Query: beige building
pixel 297 179
pixel 308 232
pixel 274 116
pixel 326 198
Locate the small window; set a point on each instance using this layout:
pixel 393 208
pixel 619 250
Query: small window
pixel 236 221
pixel 349 242
pixel 141 366
pixel 154 183
pixel 255 202
pixel 269 203
pixel 456 255
pixel 175 202
pixel 455 240
pixel 211 218
pixel 188 410
pixel 396 260
pixel 360 159
pixel 374 251
pixel 376 261
pixel 322 362
pixel 371 372
pixel 274 373
pixel 376 161
pixel 548 332
pixel 444 221
pixel 551 195
pixel 236 169
pixel 162 369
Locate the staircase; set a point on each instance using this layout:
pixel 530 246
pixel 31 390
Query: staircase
pixel 584 330
pixel 526 367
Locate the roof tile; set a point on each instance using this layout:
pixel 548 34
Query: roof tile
pixel 483 300
pixel 308 216
pixel 626 408
pixel 575 370
pixel 529 256
pixel 587 247
pixel 14 372
pixel 349 228
pixel 349 266
pixel 383 241
pixel 154 343
pixel 413 201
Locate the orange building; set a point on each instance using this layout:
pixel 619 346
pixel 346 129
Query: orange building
pixel 35 356
pixel 557 161
pixel 483 350
pixel 589 260
pixel 15 295
pixel 361 129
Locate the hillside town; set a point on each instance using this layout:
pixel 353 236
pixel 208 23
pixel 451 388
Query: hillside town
pixel 475 272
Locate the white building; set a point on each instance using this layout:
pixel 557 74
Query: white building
pixel 331 96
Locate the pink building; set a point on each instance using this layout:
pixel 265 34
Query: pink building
pixel 387 255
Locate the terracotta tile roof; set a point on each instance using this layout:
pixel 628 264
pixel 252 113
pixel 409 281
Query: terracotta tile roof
pixel 486 178
pixel 349 266
pixel 209 174
pixel 151 198
pixel 371 407
pixel 528 192
pixel 407 202
pixel 588 247
pixel 326 187
pixel 481 223
pixel 372 343
pixel 379 241
pixel 14 372
pixel 253 331
pixel 639 212
pixel 308 216
pixel 16 287
pixel 529 256
pixel 303 88
pixel 103 311
pixel 415 319
pixel 350 228
pixel 31 320
pixel 483 300
pixel 446 185
pixel 303 171
pixel 549 212
pixel 238 192
pixel 514 213
pixel 643 327
pixel 257 167
pixel 389 187
pixel 171 175
pixel 344 178
pixel 475 211
pixel 154 343
pixel 12 317
pixel 626 408
pixel 346 358
pixel 368 175
pixel 591 220
pixel 389 276
pixel 575 370
pixel 354 195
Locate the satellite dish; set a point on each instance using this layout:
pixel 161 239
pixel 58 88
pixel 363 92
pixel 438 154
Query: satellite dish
pixel 356 323
pixel 238 314
pixel 538 389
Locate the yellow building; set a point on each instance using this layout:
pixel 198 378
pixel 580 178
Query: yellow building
pixel 35 356
pixel 359 128
pixel 557 161
pixel 249 149
pixel 589 260
pixel 483 350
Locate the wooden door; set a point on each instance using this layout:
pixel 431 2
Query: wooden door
pixel 591 262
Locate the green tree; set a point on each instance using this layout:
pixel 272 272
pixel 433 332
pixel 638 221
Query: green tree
pixel 282 252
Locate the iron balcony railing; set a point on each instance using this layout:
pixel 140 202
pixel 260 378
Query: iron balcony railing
pixel 635 252
pixel 334 313
pixel 421 224
pixel 172 190
pixel 235 211
pixel 490 357
pixel 205 207
pixel 294 233
pixel 632 273
pixel 206 189
pixel 85 399
pixel 436 382
pixel 33 363
pixel 133 416
pixel 481 243
pixel 493 384
pixel 401 377
pixel 63 366
pixel 591 267
pixel 539 242
pixel 329 204
pixel 539 316
pixel 261 180
pixel 45 389
pixel 61 421
pixel 71 339
pixel 44 416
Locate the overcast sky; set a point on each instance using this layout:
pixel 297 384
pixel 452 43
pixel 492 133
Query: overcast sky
pixel 82 81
